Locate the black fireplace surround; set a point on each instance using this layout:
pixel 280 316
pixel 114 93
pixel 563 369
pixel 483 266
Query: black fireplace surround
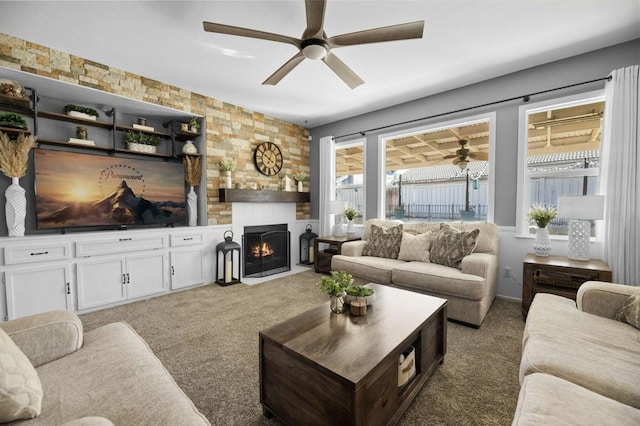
pixel 266 250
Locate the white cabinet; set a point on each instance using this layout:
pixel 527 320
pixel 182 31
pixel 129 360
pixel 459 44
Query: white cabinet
pixel 186 268
pixel 111 280
pixel 38 289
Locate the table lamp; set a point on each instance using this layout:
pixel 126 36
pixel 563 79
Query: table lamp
pixel 580 209
pixel 337 207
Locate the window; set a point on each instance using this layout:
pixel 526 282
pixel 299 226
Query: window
pixel 440 172
pixel 350 176
pixel 559 154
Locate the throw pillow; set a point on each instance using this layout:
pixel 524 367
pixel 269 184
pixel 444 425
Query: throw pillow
pixel 451 245
pixel 630 311
pixel 384 242
pixel 20 387
pixel 415 247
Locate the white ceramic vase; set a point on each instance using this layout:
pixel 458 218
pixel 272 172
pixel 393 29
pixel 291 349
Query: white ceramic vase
pixel 350 229
pixel 15 208
pixel 227 180
pixel 192 207
pixel 300 187
pixel 542 245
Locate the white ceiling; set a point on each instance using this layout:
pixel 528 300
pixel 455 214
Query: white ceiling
pixel 464 42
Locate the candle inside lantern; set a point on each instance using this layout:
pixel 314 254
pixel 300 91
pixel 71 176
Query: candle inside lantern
pixel 227 269
pixel 310 254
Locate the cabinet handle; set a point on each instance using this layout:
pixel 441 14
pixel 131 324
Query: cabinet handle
pixel 187 239
pixel 124 279
pixel 173 271
pixel 39 253
pixel 68 289
pixel 127 278
pixel 124 239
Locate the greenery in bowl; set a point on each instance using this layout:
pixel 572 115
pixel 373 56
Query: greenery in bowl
pixel 141 138
pixel 542 215
pixel 11 119
pixel 359 291
pixel 350 212
pixel 82 109
pixel 227 165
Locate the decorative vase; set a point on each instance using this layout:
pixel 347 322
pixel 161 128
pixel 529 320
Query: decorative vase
pixel 350 229
pixel 184 127
pixel 300 187
pixel 227 180
pixel 189 148
pixel 542 245
pixel 336 303
pixel 192 205
pixel 15 208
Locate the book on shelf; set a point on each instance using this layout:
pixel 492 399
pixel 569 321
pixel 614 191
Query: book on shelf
pixel 141 127
pixel 81 141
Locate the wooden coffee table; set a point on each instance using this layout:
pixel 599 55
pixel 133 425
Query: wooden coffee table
pixel 325 368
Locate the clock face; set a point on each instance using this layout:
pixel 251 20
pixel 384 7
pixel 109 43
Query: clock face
pixel 268 158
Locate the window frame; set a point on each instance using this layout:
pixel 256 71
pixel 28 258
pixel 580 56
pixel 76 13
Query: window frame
pixel 523 182
pixel 350 144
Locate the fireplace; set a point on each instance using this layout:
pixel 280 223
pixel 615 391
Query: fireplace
pixel 266 250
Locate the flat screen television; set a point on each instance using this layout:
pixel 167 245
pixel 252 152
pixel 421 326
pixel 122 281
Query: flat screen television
pixel 85 190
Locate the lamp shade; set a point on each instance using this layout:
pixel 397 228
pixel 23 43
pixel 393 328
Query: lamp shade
pixel 587 207
pixel 337 206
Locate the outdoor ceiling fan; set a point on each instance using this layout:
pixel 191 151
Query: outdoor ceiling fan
pixel 462 155
pixel 314 43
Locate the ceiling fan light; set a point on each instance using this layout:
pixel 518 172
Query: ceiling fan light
pixel 314 51
pixel 463 164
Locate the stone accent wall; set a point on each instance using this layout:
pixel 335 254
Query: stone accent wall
pixel 231 131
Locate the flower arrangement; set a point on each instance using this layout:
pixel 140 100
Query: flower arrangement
pixel 337 285
pixel 227 165
pixel 350 212
pixel 299 177
pixel 542 215
pixel 14 155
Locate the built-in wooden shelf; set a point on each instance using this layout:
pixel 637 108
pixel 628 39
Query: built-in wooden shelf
pixel 261 196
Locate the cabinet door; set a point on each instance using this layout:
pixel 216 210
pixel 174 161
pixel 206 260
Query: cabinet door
pixel 186 268
pixel 35 290
pixel 145 275
pixel 101 282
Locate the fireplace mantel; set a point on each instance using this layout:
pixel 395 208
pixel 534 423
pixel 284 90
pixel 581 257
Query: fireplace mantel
pixel 262 196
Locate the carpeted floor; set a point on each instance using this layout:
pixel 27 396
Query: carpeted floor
pixel 207 338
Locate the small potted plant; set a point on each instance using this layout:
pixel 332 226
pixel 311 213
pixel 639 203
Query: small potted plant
pixel 81 112
pixel 141 142
pixel 300 177
pixel 13 120
pixel 542 215
pixel 335 286
pixel 227 166
pixel 359 293
pixel 350 213
pixel 194 125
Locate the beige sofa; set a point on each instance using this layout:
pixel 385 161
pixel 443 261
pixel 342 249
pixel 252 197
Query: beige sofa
pixel 579 365
pixel 107 374
pixel 469 290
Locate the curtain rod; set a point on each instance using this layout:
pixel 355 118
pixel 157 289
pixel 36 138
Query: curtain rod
pixel 525 98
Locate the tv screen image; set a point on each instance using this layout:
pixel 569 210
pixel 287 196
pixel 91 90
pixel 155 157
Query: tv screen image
pixel 85 190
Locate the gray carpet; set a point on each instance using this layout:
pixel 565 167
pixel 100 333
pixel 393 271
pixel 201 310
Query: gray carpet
pixel 207 338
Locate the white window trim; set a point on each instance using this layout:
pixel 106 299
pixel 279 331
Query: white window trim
pixel 349 144
pixel 523 188
pixel 382 157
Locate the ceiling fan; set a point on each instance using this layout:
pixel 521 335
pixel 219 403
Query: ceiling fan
pixel 462 155
pixel 314 43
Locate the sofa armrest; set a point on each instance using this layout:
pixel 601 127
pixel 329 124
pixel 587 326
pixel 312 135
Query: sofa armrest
pixel 46 337
pixel 353 248
pixel 480 264
pixel 602 298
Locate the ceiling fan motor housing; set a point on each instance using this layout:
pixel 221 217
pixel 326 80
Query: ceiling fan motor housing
pixel 314 48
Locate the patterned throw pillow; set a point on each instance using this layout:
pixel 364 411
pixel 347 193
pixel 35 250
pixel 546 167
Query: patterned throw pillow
pixel 630 311
pixel 415 247
pixel 20 387
pixel 451 245
pixel 384 242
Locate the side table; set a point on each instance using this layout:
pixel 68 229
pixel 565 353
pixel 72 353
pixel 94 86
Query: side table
pixel 558 275
pixel 322 262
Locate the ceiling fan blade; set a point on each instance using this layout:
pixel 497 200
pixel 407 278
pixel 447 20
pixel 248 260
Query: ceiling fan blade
pixel 247 32
pixel 315 18
pixel 284 70
pixel 450 156
pixel 481 156
pixel 342 70
pixel 376 35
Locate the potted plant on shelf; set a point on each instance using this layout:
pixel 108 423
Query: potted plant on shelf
pixel 350 213
pixel 194 125
pixel 81 112
pixel 335 286
pixel 227 166
pixel 141 142
pixel 13 120
pixel 300 177
pixel 542 215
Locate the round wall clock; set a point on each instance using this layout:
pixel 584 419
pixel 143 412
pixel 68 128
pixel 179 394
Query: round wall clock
pixel 268 158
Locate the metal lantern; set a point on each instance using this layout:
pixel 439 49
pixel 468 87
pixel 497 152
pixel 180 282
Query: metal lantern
pixel 306 246
pixel 228 261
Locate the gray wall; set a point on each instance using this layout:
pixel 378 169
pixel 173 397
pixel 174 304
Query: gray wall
pixel 569 71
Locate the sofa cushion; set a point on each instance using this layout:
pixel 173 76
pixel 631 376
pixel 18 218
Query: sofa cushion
pixel 439 279
pixel 20 387
pixel 378 222
pixel 548 400
pixel 630 311
pixel 384 242
pixel 596 353
pixel 451 245
pixel 89 421
pixel 375 269
pixel 415 247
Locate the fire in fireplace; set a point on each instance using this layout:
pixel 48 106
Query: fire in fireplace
pixel 266 250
